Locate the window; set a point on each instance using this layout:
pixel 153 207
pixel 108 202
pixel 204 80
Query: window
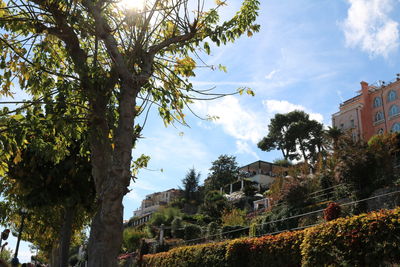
pixel 380 131
pixel 392 96
pixel 379 116
pixel 377 102
pixel 352 123
pixel 396 127
pixel 394 110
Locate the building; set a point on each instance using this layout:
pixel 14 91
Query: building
pixel 260 173
pixel 153 203
pixel 375 110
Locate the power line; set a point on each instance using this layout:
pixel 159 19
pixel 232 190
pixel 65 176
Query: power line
pixel 288 218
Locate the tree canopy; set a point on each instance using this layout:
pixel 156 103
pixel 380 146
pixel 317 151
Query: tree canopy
pixel 45 184
pixel 292 133
pixel 191 184
pixel 116 63
pixel 223 171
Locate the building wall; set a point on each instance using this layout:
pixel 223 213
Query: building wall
pixel 154 201
pixel 365 115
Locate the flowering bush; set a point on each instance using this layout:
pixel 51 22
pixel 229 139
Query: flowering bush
pixel 332 211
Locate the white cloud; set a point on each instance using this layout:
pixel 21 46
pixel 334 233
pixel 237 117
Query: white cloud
pixel 271 75
pixel 244 123
pixel 283 106
pixel 236 120
pixel 245 148
pixel 369 27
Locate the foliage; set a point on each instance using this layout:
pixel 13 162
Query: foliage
pixel 385 148
pixel 131 239
pixel 190 256
pixel 283 162
pixel 234 217
pixel 199 219
pixel 191 231
pixel 214 204
pixel 235 231
pixel 294 193
pixel 365 240
pixel 6 255
pixel 49 173
pixel 249 189
pixel 176 228
pixel 165 216
pixel 278 250
pixel 293 130
pixel 191 184
pixel 332 212
pixel 223 171
pixel 213 231
pixel 115 61
pixel 356 167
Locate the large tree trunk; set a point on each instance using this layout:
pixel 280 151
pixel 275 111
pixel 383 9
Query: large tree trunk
pixel 106 231
pixel 66 233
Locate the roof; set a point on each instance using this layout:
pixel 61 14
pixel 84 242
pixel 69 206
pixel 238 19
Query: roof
pixel 258 163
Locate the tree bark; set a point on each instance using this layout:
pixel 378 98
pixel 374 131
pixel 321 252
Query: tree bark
pixel 66 233
pixel 107 226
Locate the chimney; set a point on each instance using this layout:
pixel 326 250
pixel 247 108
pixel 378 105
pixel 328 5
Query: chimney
pixel 364 88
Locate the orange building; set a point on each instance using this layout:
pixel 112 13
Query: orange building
pixel 375 110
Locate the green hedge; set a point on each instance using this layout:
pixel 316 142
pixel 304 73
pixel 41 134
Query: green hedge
pixel 371 239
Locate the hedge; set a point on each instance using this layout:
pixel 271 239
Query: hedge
pixel 371 239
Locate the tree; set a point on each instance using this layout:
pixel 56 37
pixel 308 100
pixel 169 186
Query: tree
pixel 223 171
pixel 214 204
pixel 119 62
pixel 293 130
pixel 35 180
pixel 191 184
pixel 334 133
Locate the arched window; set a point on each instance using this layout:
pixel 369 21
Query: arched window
pixel 377 102
pixel 379 116
pixel 380 131
pixel 391 96
pixel 396 127
pixel 394 110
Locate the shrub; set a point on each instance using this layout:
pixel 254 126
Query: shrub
pixel 365 240
pixel 213 231
pixel 176 228
pixel 192 231
pixel 190 256
pixel 131 239
pixel 278 250
pixel 233 217
pixel 235 231
pixel 332 212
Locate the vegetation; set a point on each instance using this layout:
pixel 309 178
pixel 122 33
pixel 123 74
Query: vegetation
pixel 363 240
pixel 191 184
pixel 293 130
pixel 113 61
pixel 223 171
pixel 45 181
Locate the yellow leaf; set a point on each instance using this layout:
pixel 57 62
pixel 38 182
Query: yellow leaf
pixel 17 158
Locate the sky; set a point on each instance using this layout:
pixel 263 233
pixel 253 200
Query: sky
pixel 309 55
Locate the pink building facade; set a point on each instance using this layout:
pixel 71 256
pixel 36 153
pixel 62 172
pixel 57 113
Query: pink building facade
pixel 375 110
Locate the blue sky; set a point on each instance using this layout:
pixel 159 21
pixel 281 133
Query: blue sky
pixel 309 55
